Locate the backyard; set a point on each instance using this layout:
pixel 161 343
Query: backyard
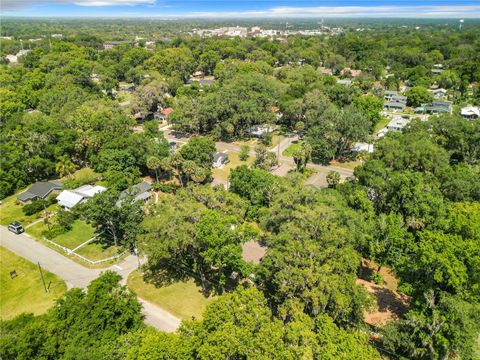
pixel 17 293
pixel 11 210
pixel 234 161
pixel 80 233
pixel 182 299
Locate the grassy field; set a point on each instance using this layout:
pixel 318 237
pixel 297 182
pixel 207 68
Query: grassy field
pixel 384 122
pixel 25 292
pixel 182 299
pixel 80 232
pixel 11 210
pixel 346 165
pixel 222 173
pixel 292 148
pixel 98 250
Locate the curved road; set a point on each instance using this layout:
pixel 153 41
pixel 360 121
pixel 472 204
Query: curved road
pixel 76 275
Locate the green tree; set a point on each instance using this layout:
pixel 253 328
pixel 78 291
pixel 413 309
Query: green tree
pixel 418 95
pixel 333 178
pixel 117 220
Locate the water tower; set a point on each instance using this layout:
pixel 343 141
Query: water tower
pixel 460 25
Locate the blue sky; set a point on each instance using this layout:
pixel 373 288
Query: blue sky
pixel 243 8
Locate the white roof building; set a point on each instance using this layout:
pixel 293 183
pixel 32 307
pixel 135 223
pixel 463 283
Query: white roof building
pixel 358 147
pixel 470 112
pixel 70 198
pixel 397 124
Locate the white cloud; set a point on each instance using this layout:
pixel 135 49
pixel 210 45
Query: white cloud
pixel 467 11
pixel 20 4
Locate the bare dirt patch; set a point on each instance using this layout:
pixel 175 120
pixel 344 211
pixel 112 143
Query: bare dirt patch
pixel 390 305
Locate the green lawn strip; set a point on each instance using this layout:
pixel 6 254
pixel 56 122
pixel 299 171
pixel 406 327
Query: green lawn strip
pixel 182 299
pixel 25 293
pixel 80 232
pixel 11 210
pixel 98 250
pixel 383 123
pixel 292 148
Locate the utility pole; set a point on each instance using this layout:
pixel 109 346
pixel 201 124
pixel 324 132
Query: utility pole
pixel 41 275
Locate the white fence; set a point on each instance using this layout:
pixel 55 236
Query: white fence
pixel 92 262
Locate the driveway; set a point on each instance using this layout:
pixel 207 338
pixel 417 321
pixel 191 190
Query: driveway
pixel 76 275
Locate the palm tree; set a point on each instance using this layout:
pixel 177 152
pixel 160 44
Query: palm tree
pixel 64 166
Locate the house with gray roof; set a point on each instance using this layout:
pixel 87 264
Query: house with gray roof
pixel 40 190
pixel 140 192
pixel 219 159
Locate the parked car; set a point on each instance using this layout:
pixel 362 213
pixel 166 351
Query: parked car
pixel 173 145
pixel 16 227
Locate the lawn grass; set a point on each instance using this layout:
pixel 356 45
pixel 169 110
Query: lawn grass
pixel 182 299
pixel 276 138
pixel 11 210
pixel 80 232
pixel 296 145
pixel 25 292
pixel 383 123
pixel 98 250
pixel 234 161
pixel 351 165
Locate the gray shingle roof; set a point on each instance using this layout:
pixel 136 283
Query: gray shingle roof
pixel 39 190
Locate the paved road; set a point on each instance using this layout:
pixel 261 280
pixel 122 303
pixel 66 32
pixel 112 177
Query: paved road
pixel 76 275
pixel 344 173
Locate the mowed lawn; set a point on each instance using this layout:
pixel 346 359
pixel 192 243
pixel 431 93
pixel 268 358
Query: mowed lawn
pixel 234 161
pixel 11 210
pixel 296 145
pixel 80 232
pixel 25 292
pixel 182 299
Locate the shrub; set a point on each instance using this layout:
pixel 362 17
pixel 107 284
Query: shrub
pixel 65 219
pixel 53 232
pixel 244 150
pixel 167 188
pixel 377 278
pixel 35 207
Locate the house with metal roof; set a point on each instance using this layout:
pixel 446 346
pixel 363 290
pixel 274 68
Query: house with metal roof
pixel 140 192
pixel 70 198
pixel 470 112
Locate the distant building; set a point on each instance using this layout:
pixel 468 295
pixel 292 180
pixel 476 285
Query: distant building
pixel 439 106
pixel 345 82
pixel 128 87
pixel 111 44
pixel 219 159
pixel 365 147
pixel 439 93
pixel 140 192
pixel 397 124
pixel 163 114
pixel 470 112
pixel 325 71
pixel 70 198
pixel 389 94
pixel 39 190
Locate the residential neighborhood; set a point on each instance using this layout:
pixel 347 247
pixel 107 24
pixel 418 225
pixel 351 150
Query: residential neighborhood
pixel 237 181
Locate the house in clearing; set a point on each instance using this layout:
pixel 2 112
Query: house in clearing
pixel 470 112
pixel 163 114
pixel 140 192
pixel 70 198
pixel 40 190
pixel 219 159
pixel 396 103
pixel 397 124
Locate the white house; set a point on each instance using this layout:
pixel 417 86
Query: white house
pixel 470 112
pixel 439 93
pixel 358 147
pixel 69 198
pixel 219 159
pixel 397 124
